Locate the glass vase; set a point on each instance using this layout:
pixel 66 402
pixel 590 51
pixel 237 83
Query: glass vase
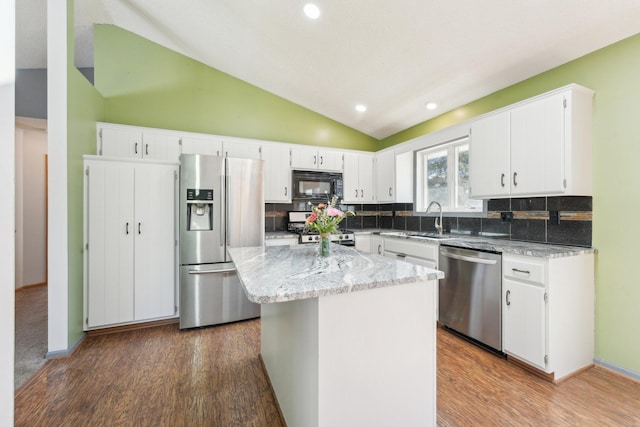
pixel 325 245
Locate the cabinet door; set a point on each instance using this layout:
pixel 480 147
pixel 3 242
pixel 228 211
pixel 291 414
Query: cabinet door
pixel 196 145
pixel 489 156
pixel 109 293
pixel 350 176
pixel 365 178
pixel 155 241
pixel 277 173
pixel 120 142
pixel 537 147
pixel 159 146
pixel 377 245
pixel 304 158
pixel 242 149
pixel 524 320
pixel 385 174
pixel 330 160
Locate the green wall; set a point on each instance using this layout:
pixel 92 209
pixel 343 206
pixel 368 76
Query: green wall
pixel 85 106
pixel 146 84
pixel 613 73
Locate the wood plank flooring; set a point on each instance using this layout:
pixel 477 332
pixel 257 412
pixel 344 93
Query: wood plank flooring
pixel 212 377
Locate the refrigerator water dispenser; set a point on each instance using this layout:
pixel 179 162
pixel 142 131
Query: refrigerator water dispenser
pixel 199 210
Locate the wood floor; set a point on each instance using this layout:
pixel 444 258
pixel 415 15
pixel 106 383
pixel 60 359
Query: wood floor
pixel 212 377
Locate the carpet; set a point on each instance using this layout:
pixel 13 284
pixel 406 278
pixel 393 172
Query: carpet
pixel 31 333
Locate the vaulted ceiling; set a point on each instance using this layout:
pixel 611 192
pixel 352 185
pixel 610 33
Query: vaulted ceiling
pixel 391 56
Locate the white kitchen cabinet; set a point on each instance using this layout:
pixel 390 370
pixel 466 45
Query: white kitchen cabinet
pixel 385 175
pixel 137 143
pixel 548 147
pixel 308 158
pixel 358 178
pixel 201 144
pixel 242 148
pixel 548 312
pixel 281 242
pixel 130 241
pixel 277 173
pixel 370 243
pixel 420 253
pixel 490 164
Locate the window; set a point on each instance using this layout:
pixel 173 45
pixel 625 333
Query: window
pixel 442 175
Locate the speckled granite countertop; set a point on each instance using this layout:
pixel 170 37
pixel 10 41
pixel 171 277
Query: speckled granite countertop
pixel 286 273
pixel 503 246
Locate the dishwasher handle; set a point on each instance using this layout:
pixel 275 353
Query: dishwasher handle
pixel 222 270
pixel 469 258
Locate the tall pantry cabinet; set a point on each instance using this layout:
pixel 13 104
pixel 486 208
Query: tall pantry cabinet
pixel 130 214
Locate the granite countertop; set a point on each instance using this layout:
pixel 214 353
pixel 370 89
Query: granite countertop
pixel 503 246
pixel 286 273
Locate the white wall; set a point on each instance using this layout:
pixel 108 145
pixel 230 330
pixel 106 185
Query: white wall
pixel 31 239
pixel 7 212
pixel 57 123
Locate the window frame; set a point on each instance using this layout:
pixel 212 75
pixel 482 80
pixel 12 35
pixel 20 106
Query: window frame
pixel 421 192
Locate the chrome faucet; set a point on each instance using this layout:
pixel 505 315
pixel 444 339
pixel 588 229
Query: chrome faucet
pixel 438 224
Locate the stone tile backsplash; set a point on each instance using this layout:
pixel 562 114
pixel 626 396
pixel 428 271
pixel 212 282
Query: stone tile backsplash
pixel 533 219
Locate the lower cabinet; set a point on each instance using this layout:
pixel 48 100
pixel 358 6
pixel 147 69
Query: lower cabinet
pixel 281 242
pixel 420 253
pixel 130 238
pixel 548 312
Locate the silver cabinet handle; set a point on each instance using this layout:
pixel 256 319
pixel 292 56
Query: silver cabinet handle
pixel 315 159
pixel 362 193
pixel 379 249
pixel 139 228
pixel 146 149
pixel 222 270
pixel 517 270
pixel 321 160
pixel 502 180
pixel 389 191
pixel 135 148
pixel 515 175
pixel 356 193
pixel 401 255
pixel 126 228
pixel 507 298
pixel 285 190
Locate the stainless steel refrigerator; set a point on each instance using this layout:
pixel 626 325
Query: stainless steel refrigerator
pixel 221 206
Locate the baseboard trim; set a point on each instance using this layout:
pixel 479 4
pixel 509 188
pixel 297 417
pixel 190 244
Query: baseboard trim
pixel 266 374
pixel 132 327
pixel 617 369
pixel 35 285
pixel 67 352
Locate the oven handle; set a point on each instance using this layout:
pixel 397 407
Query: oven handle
pixel 469 258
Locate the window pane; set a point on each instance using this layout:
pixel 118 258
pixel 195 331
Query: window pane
pixel 437 185
pixel 463 188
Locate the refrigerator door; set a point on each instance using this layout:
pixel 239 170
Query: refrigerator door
pixel 211 294
pixel 245 204
pixel 202 209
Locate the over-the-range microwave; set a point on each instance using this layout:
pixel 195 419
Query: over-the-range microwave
pixel 315 186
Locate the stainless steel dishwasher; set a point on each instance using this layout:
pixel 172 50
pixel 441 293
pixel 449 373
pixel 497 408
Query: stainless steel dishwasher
pixel 469 296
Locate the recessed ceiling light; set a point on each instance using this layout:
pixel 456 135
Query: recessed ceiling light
pixel 362 108
pixel 431 105
pixel 311 10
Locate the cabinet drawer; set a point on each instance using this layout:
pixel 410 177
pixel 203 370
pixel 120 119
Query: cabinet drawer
pixel 528 269
pixel 418 250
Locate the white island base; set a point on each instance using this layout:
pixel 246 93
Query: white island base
pixel 364 358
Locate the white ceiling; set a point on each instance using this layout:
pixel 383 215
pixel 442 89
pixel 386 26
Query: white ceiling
pixel 392 56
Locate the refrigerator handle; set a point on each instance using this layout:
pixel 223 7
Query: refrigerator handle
pixel 223 221
pixel 226 214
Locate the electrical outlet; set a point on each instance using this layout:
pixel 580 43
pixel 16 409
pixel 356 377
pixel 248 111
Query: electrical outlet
pixel 554 217
pixel 506 217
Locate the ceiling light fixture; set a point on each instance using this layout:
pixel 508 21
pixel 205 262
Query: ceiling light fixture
pixel 361 108
pixel 311 10
pixel 431 105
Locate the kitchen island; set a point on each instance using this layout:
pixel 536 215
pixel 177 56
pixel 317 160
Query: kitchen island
pixel 348 339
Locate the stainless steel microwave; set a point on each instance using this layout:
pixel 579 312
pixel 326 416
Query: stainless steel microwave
pixel 315 186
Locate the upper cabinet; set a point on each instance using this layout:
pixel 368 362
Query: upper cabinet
pixel 277 173
pixel 133 142
pixel 358 178
pixel 537 148
pixel 201 144
pixel 307 158
pixel 242 148
pixel 385 176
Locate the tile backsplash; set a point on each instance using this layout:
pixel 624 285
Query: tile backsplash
pixel 564 220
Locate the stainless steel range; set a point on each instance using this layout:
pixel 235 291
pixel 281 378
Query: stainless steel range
pixel 296 225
